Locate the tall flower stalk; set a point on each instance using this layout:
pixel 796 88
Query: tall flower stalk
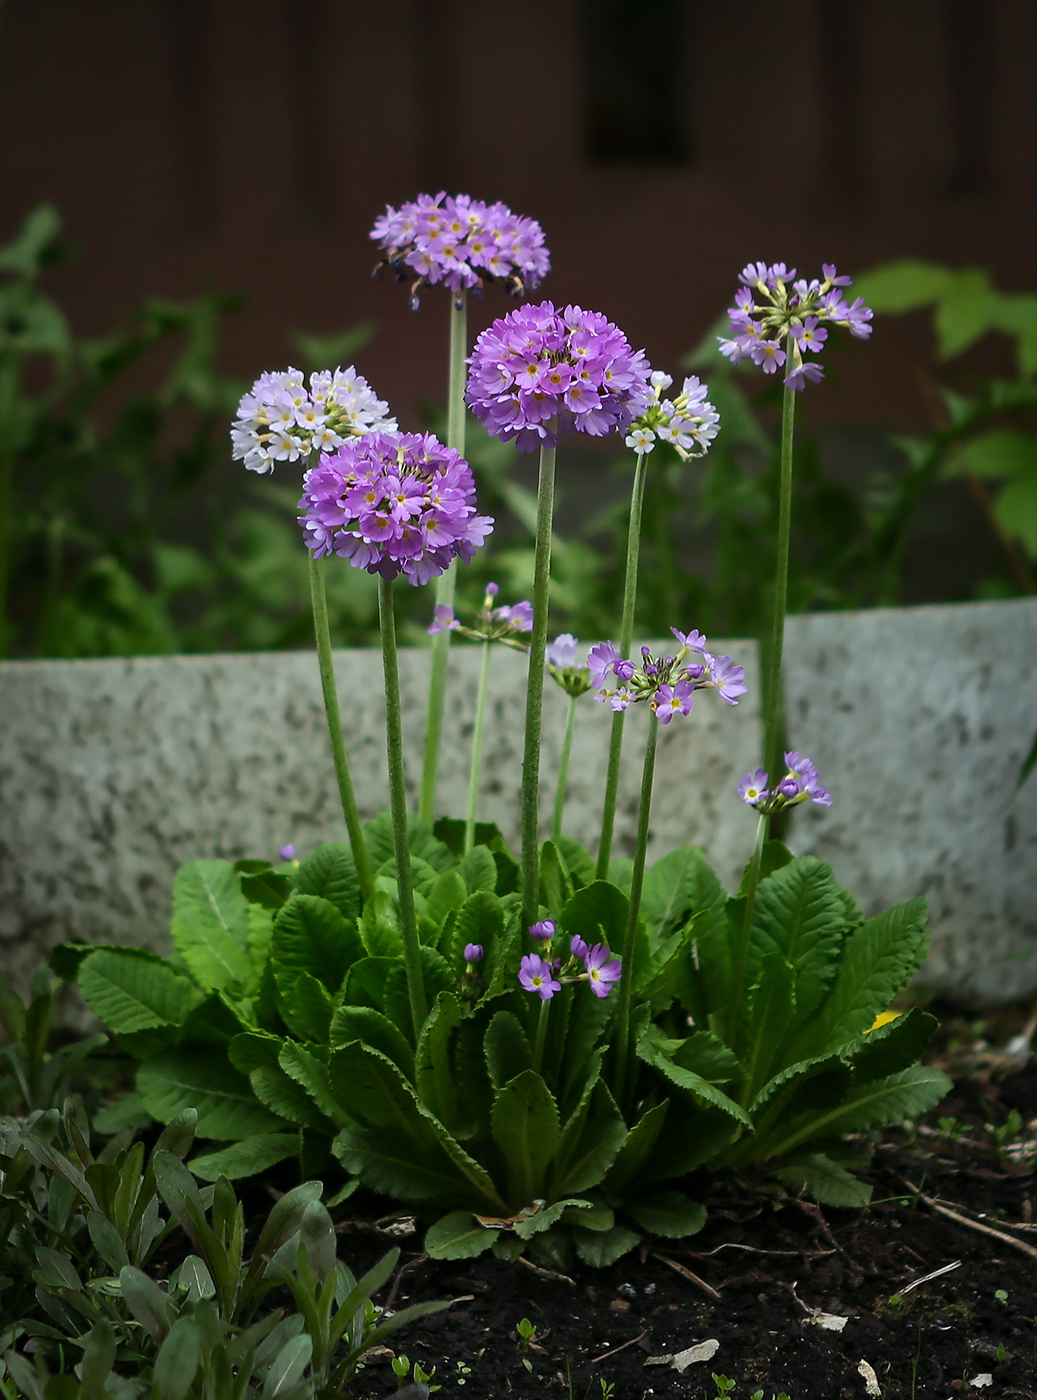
pixel 339 757
pixel 398 806
pixel 575 680
pixel 623 1047
pixel 480 724
pixel 563 768
pixel 447 582
pixel 530 802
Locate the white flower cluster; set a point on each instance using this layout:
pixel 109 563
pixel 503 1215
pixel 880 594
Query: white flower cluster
pixel 281 420
pixel 687 422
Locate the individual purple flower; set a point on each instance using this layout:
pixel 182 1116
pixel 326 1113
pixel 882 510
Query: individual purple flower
pixel 538 373
pixel 443 620
pixel 288 852
pixel 393 504
pixel 673 700
pixel 693 640
pixel 518 615
pixel 561 652
pixel 799 764
pixel 727 679
pixel 537 975
pixel 460 242
pixel 600 660
pixel 473 953
pixel 790 320
pixel 578 947
pixel 281 420
pixel 561 664
pixel 603 970
pixel 544 931
pixel 753 788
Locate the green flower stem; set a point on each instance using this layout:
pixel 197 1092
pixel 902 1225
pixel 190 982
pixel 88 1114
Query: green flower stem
pixel 747 925
pixel 563 768
pixel 322 632
pixel 633 913
pixel 772 695
pixel 480 721
pixel 447 582
pixel 541 1036
pixel 10 380
pixel 398 803
pixel 530 808
pixel 626 637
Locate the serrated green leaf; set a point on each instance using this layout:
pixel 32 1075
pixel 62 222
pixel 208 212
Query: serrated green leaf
pixel 479 920
pixel 891 1047
pixel 506 1047
pixel 313 1075
pixel 434 1070
pixel 458 1236
pixel 374 1029
pixel 655 1049
pixel 311 935
pixel 330 873
pixel 556 886
pixel 876 1104
pixel 679 884
pixel 131 990
pixel 447 894
pixel 597 913
pixel 669 1213
pixel 825 1181
pixel 194 1078
pixel 249 1157
pixel 210 924
pixel 639 1143
pixel 525 1126
pixel 770 1014
pixel 591 1138
pixel 479 870
pixel 378 838
pixel 800 913
pixel 365 983
pixel 600 1248
pixel 437 977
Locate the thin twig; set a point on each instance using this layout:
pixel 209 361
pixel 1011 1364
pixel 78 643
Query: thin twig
pixel 546 1273
pixel 928 1278
pixel 751 1249
pixel 686 1273
pixel 973 1224
pixel 418 1259
pixel 614 1351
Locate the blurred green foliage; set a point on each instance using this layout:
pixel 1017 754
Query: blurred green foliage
pixel 126 529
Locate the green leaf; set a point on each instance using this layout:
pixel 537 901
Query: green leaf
pixel 556 886
pixel 433 1067
pixel 578 860
pixel 330 873
pixel 365 983
pixel 446 895
pixel 479 870
pixel 800 914
pixel 458 1236
pixel 879 1103
pixel 195 1078
pixel 131 990
pixel 313 1075
pixel 659 1051
pixel 146 1301
pixel 479 920
pixel 706 1054
pixel 451 832
pixel 286 1097
pixel 878 960
pixel 591 1139
pixel 891 1047
pixel 210 923
pixel 776 855
pixel 287 1368
pixel 106 1239
pixel 506 1047
pixel 311 935
pixel 267 888
pixel 249 1157
pixel 597 913
pixel 525 1126
pixel 214 1021
pixel 669 1213
pixel 437 977
pixel 177 1362
pixel 378 838
pixel 66 959
pixel 1016 509
pixel 1004 452
pixel 639 1143
pixel 305 1005
pixel 829 1184
pixel 380 924
pixel 770 1015
pixel 374 1029
pixel 905 285
pixel 679 884
pixel 599 1248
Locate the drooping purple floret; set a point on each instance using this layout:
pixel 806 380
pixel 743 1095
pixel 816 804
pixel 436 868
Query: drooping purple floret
pixel 727 678
pixel 461 242
pixel 603 970
pixel 401 504
pixel 539 373
pixel 544 931
pixel 561 652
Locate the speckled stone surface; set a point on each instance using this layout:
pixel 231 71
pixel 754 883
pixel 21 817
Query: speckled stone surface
pixel 919 720
pixel 113 772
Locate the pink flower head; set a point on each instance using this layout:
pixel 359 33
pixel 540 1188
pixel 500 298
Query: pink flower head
pixel 537 975
pixel 603 970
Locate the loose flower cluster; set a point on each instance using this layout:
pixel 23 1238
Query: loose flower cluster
pixel 538 373
pixel 796 313
pixel 491 624
pixel 461 242
pixel 799 785
pixel 281 420
pixel 545 975
pixel 668 684
pixel 686 422
pixel 561 665
pixel 393 504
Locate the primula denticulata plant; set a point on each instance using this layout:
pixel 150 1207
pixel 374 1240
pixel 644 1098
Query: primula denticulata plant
pixel 538 1049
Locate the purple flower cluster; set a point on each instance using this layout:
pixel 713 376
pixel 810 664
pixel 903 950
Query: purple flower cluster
pixel 562 666
pixel 686 422
pixel 668 684
pixel 491 624
pixel 280 420
pixel 537 373
pixel 793 314
pixel 800 784
pixel 393 504
pixel 546 975
pixel 461 242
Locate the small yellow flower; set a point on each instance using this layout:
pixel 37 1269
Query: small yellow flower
pixel 882 1019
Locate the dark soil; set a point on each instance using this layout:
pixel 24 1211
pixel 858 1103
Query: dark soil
pixel 758 1273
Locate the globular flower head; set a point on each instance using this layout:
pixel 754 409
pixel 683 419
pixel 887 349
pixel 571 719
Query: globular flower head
pixel 460 242
pixel 790 321
pixel 473 953
pixel 538 373
pixel 603 970
pixel 281 420
pixel 667 683
pixel 562 666
pixel 544 931
pixel 537 975
pixel 401 504
pixel 798 784
pixel 687 422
